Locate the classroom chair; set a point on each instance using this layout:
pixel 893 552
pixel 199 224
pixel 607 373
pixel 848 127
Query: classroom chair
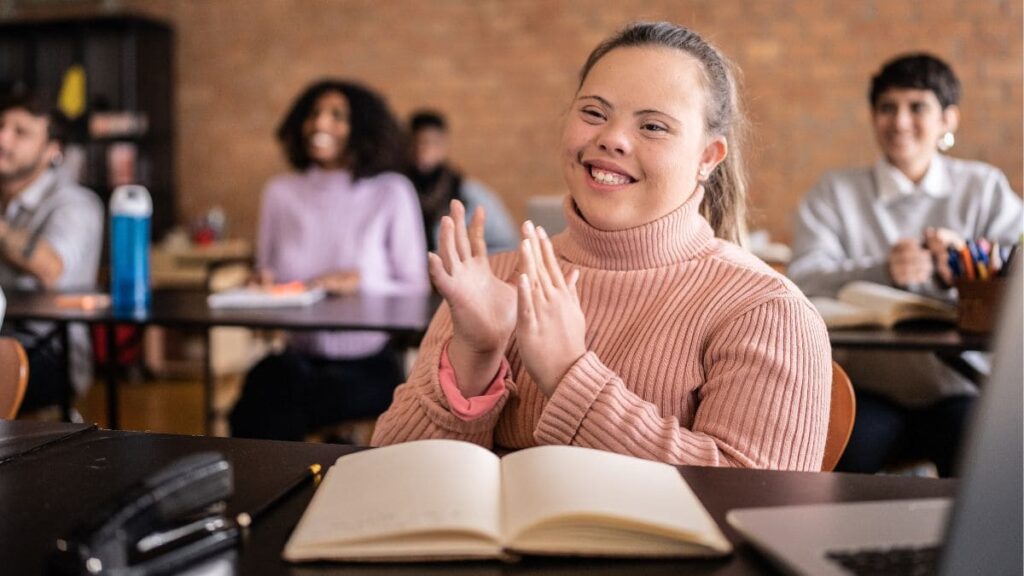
pixel 840 418
pixel 13 376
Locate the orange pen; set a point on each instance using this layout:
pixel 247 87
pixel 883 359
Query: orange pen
pixel 968 262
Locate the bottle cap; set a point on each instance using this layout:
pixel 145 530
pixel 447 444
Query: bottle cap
pixel 131 200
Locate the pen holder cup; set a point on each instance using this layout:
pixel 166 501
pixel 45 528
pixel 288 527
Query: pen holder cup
pixel 980 303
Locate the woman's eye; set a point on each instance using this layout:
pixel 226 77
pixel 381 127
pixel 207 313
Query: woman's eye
pixel 592 113
pixel 652 127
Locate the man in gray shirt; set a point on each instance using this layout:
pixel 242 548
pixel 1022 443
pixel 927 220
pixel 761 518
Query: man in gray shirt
pixel 51 236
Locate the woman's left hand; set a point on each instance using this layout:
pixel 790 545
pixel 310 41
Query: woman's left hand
pixel 551 329
pixel 338 283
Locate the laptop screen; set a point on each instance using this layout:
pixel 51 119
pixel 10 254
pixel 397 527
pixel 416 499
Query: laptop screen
pixel 985 532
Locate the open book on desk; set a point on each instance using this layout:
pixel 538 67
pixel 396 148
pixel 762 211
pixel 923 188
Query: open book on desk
pixel 871 304
pixel 452 500
pixel 276 296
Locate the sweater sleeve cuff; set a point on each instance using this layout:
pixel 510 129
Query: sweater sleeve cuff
pixel 470 408
pixel 564 412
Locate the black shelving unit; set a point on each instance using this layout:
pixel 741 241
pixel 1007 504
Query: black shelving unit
pixel 129 68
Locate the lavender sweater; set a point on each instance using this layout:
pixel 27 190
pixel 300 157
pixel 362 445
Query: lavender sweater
pixel 321 221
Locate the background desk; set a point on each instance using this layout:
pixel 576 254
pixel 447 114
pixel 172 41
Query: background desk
pixel 945 342
pixel 40 501
pixel 404 317
pixel 942 339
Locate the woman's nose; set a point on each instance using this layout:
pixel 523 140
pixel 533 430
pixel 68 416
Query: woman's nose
pixel 322 121
pixel 613 139
pixel 904 118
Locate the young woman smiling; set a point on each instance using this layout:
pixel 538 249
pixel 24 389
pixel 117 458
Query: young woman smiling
pixel 346 220
pixel 643 329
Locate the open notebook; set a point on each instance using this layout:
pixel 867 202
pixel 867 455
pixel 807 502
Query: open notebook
pixel 979 533
pixel 870 304
pixel 451 500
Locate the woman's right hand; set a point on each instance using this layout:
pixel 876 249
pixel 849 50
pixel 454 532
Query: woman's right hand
pixel 483 307
pixel 261 278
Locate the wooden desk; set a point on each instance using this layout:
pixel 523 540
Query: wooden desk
pixel 945 342
pixel 40 503
pixel 404 317
pixel 939 339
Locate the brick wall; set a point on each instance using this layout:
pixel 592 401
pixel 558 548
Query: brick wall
pixel 505 72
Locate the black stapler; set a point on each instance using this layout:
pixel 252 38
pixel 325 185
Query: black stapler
pixel 168 521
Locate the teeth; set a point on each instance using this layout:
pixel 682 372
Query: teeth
pixel 605 177
pixel 322 140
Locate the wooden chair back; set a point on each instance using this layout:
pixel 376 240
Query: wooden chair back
pixel 840 418
pixel 13 376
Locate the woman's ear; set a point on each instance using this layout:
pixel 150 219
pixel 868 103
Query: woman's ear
pixel 714 152
pixel 951 117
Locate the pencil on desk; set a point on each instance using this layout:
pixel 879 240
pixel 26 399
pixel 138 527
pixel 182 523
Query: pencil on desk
pixel 245 519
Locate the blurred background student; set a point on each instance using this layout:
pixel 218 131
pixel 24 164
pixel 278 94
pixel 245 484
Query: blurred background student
pixel 347 220
pixel 51 236
pixel 891 223
pixel 438 183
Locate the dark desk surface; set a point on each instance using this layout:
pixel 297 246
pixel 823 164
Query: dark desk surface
pixel 404 317
pixel 408 315
pixel 45 492
pixel 930 339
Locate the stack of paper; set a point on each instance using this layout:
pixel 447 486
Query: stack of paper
pixel 283 295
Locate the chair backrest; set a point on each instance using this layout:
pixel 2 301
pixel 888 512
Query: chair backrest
pixel 840 418
pixel 13 376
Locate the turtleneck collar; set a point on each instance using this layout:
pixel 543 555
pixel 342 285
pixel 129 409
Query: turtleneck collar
pixel 682 234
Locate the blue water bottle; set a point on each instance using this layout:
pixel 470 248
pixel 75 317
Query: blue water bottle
pixel 131 209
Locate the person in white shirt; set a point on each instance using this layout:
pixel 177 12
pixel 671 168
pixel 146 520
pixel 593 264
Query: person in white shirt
pixel 891 223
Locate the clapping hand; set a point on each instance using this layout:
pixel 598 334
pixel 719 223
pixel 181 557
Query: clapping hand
pixel 482 306
pixel 551 328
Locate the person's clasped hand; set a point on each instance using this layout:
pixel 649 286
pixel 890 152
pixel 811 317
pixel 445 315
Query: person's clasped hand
pixel 910 263
pixel 338 283
pixel 938 241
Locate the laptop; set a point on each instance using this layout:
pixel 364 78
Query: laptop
pixel 978 533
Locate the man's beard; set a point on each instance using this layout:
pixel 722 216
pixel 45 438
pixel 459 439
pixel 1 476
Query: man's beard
pixel 23 171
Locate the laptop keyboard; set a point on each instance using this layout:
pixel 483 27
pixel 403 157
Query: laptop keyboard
pixel 921 561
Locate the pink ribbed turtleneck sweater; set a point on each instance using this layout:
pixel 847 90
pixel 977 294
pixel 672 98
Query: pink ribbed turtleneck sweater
pixel 699 353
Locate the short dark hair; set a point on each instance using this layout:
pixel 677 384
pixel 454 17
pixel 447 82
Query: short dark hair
pixel 423 119
pixel 375 141
pixel 57 125
pixel 922 71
